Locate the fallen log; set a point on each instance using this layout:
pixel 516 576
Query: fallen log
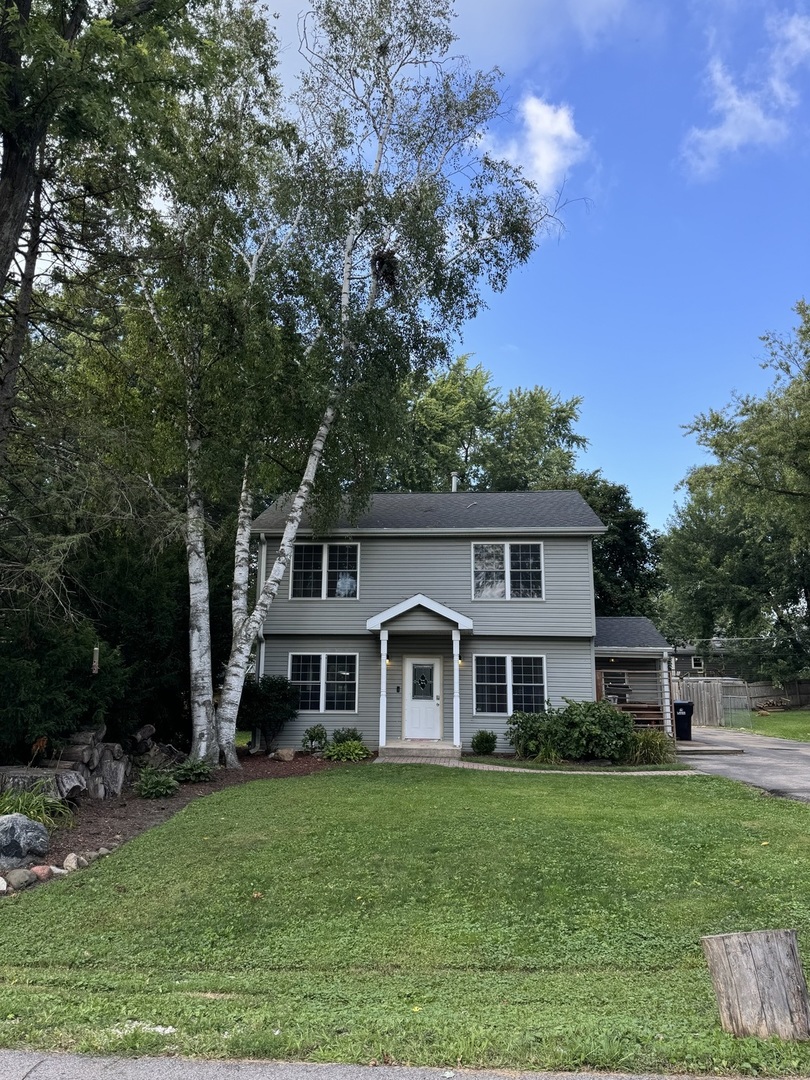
pixel 60 784
pixel 759 983
pixel 77 752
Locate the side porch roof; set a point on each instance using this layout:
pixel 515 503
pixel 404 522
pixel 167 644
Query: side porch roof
pixel 630 635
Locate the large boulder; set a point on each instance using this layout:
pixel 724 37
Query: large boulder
pixel 20 838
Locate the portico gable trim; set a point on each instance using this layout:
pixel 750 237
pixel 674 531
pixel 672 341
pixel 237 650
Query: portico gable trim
pixel 463 622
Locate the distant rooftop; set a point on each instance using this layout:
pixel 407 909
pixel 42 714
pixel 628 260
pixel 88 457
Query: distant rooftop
pixel 463 510
pixel 628 632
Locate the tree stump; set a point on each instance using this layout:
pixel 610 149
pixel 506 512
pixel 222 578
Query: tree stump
pixel 759 983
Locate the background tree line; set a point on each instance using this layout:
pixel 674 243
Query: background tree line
pixel 737 556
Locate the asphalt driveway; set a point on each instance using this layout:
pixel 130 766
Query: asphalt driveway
pixel 781 766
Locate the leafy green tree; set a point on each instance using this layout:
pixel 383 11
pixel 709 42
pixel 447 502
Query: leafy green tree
pixel 84 90
pixel 458 421
pixel 626 558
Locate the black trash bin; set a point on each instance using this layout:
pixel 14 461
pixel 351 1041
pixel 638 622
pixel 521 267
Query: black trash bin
pixel 683 720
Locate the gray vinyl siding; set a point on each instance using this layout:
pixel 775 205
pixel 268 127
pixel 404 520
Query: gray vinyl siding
pixel 392 569
pixel 569 673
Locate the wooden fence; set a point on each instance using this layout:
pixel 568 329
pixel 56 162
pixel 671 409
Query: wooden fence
pixel 718 702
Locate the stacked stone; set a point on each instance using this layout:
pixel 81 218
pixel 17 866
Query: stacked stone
pixel 23 845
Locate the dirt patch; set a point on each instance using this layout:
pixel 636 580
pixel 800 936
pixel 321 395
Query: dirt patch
pixel 102 822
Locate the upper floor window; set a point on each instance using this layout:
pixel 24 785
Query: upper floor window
pixel 507 571
pixel 697 663
pixel 320 571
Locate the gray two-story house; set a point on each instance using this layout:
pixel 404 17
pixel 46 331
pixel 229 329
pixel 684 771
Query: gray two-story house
pixel 434 615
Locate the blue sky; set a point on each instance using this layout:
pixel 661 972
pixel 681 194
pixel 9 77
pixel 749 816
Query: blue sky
pixel 681 133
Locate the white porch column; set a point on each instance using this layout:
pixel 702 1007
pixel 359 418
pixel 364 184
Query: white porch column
pixel 456 698
pixel 666 696
pixel 383 684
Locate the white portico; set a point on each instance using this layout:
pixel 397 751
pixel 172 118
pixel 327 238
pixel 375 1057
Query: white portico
pixel 416 633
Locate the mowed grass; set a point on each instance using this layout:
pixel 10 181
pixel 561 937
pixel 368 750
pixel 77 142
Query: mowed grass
pixel 788 725
pixel 416 914
pixel 572 766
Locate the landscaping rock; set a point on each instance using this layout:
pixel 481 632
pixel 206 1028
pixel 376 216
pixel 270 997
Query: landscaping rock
pixel 3 886
pixel 19 838
pixel 20 879
pixel 104 851
pixel 74 862
pixel 286 753
pixel 41 872
pixel 58 871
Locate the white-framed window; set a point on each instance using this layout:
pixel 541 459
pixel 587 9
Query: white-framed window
pixel 507 571
pixel 506 684
pixel 697 663
pixel 327 682
pixel 325 571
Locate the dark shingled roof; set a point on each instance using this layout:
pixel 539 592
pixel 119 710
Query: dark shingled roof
pixel 627 632
pixel 463 510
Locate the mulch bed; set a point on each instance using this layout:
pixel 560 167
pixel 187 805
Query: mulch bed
pixel 105 822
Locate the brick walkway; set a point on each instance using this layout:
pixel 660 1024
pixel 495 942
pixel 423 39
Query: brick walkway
pixel 451 763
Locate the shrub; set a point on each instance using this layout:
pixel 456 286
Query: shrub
pixel 591 729
pixel 484 742
pixel 193 772
pixel 155 783
pixel 583 729
pixel 267 704
pixel 346 734
pixel 315 738
pixel 38 805
pixel 349 750
pixel 651 748
pixel 527 732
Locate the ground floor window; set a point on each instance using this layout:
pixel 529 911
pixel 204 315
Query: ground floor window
pixel 327 682
pixel 507 684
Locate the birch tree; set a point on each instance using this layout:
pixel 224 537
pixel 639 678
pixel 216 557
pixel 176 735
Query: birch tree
pixel 397 222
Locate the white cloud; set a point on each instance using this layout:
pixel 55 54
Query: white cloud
pixel 758 114
pixel 790 52
pixel 549 144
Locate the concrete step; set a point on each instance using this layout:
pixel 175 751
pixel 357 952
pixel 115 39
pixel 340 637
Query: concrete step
pixel 417 748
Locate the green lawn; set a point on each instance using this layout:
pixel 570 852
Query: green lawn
pixel 572 766
pixel 417 914
pixel 787 725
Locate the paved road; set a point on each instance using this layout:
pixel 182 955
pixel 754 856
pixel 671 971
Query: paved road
pixel 25 1066
pixel 778 765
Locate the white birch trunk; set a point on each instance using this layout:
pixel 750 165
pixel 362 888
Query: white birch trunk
pixel 247 627
pixel 203 723
pixel 232 690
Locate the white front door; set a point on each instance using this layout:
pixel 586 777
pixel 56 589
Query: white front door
pixel 423 697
